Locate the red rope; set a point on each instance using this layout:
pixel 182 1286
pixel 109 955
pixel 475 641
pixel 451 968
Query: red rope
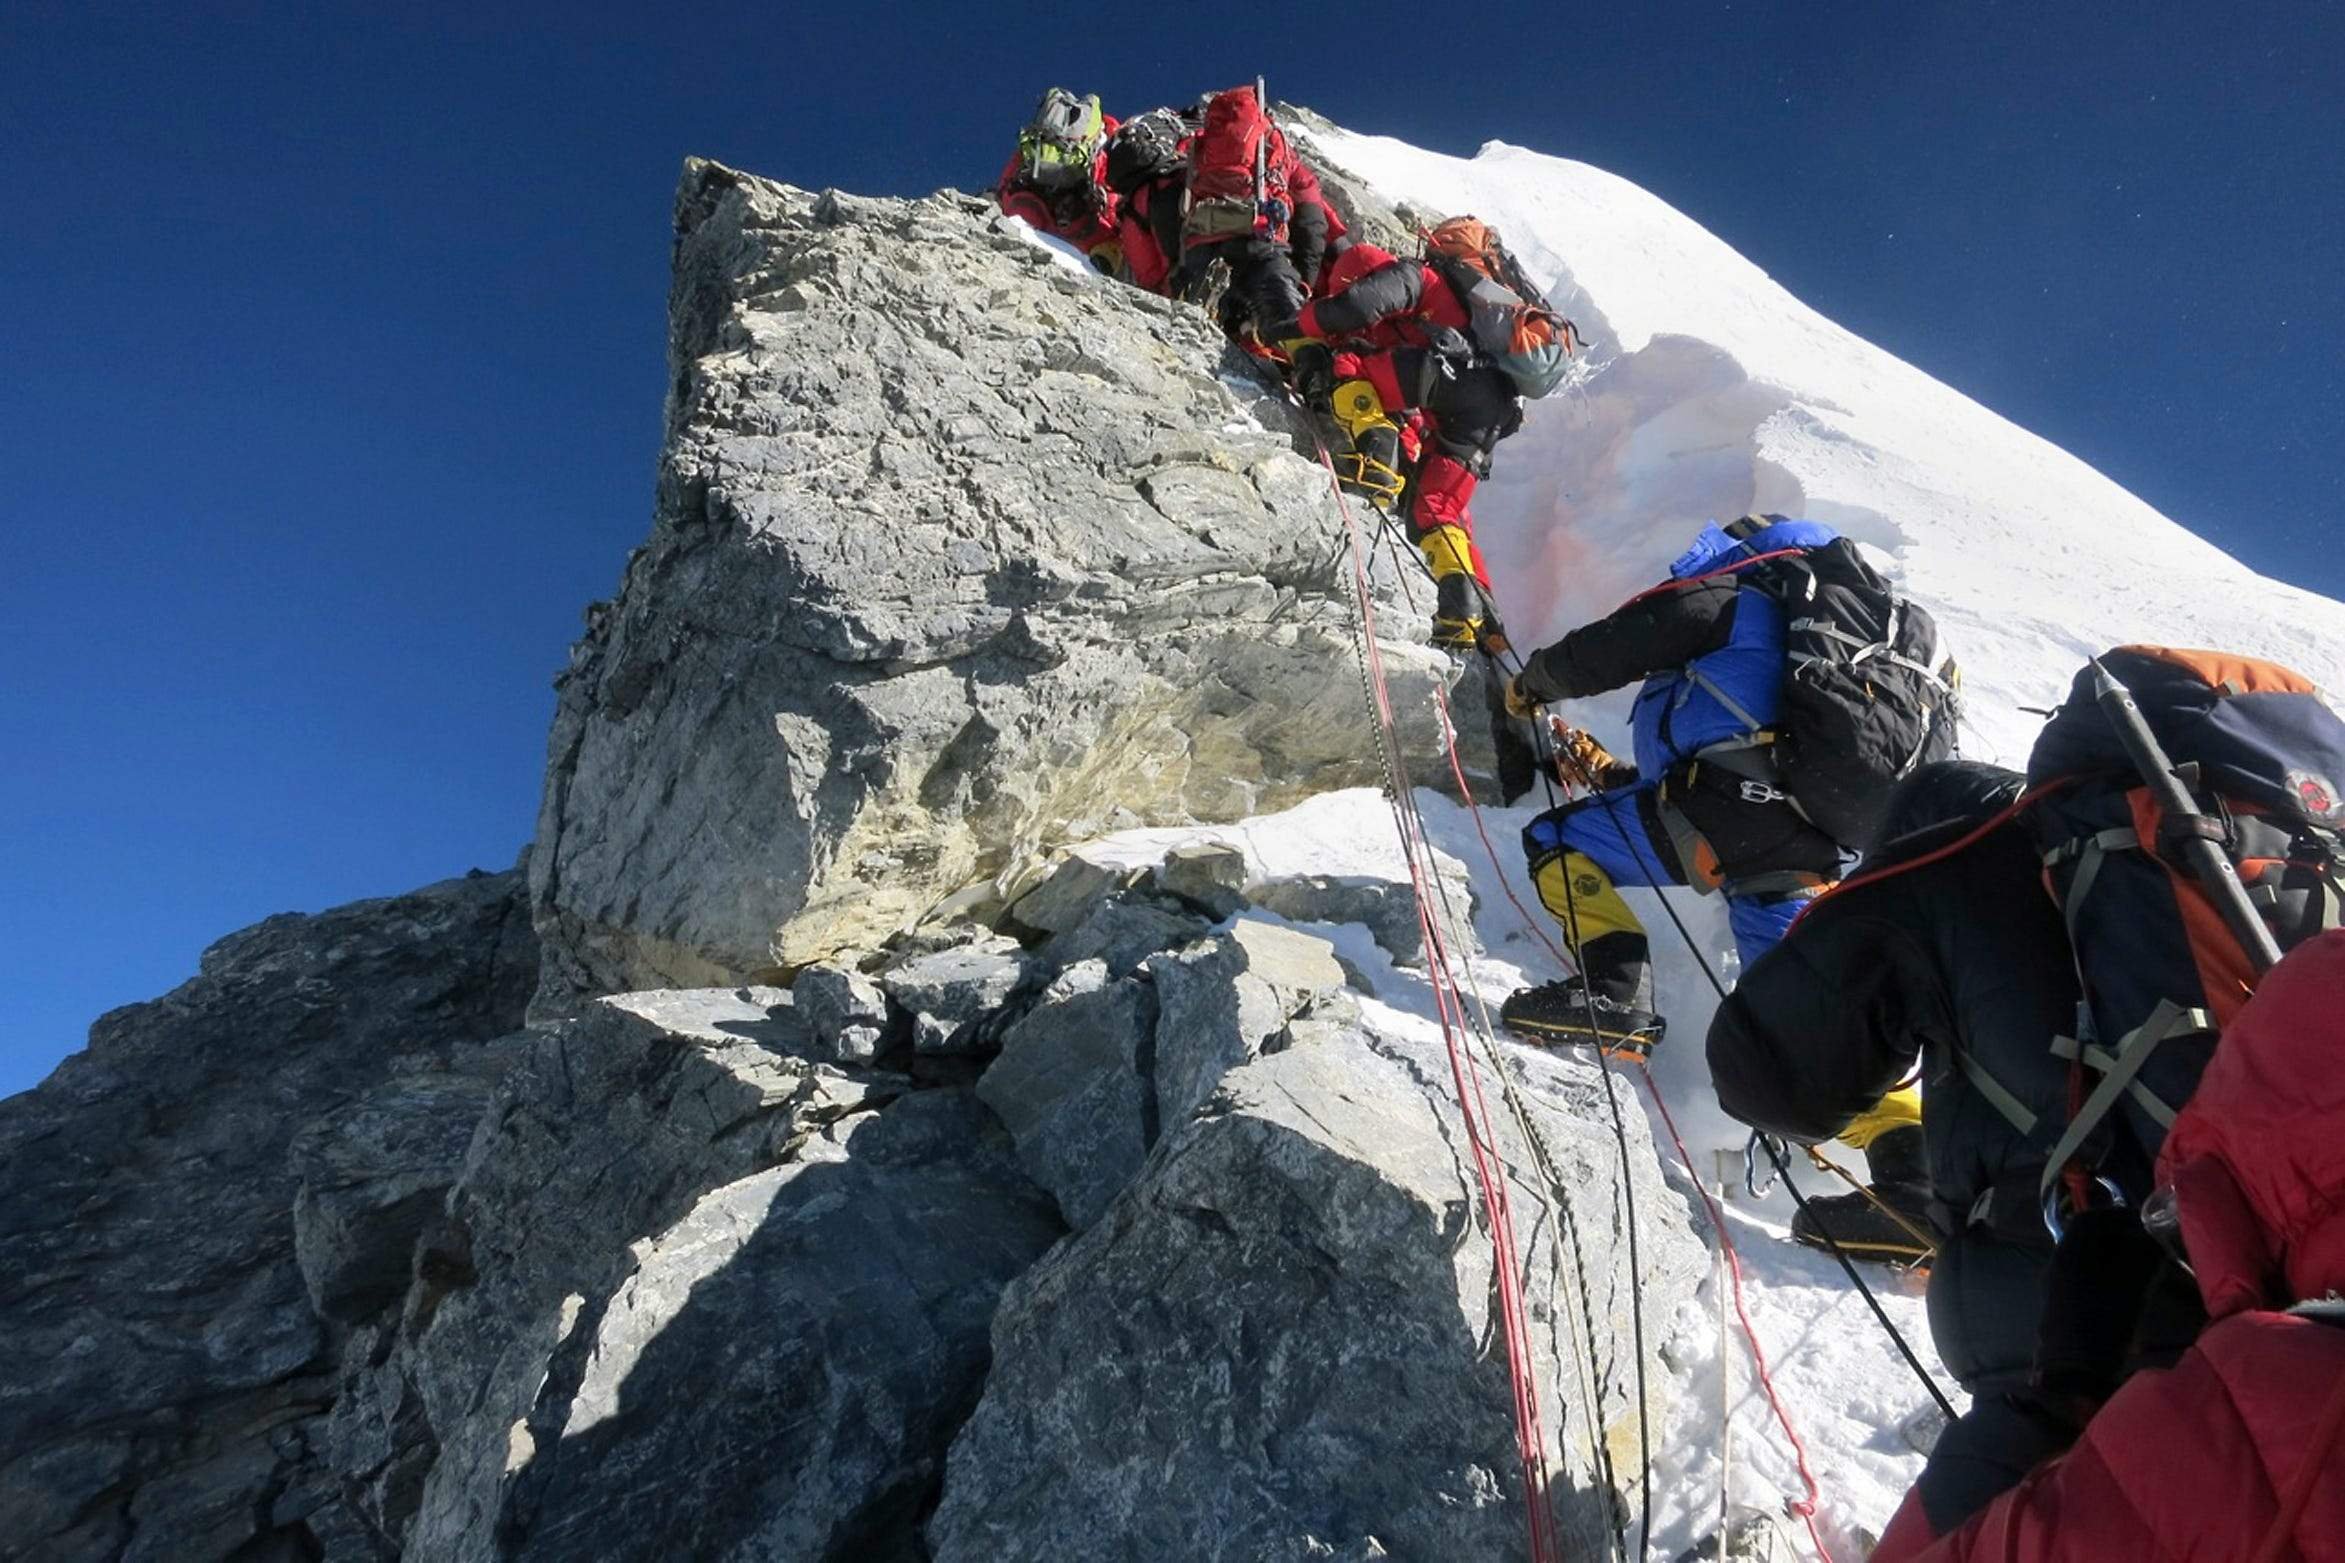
pixel 1473 1107
pixel 1805 1508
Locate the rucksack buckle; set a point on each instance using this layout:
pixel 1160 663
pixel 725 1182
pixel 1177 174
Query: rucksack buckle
pixel 2058 1207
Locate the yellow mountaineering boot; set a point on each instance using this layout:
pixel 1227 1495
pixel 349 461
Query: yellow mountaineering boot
pixel 1371 466
pixel 1606 1007
pixel 1457 596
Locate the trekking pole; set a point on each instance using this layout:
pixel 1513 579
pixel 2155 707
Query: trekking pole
pixel 2214 871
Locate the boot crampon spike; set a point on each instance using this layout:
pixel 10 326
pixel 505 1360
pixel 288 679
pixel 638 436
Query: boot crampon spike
pixel 1565 1013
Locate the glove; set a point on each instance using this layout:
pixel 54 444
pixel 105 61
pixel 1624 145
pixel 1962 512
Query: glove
pixel 1314 373
pixel 1108 257
pixel 1519 702
pixel 1584 755
pixel 2093 1298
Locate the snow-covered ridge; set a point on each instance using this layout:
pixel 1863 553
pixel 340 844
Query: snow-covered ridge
pixel 1711 391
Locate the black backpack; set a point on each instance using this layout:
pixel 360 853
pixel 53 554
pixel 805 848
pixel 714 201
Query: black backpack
pixel 1867 697
pixel 1152 147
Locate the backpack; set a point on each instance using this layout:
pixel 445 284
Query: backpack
pixel 2161 971
pixel 1238 168
pixel 1867 697
pixel 1143 150
pixel 1512 323
pixel 1059 147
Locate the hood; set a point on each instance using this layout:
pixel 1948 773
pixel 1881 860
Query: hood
pixel 2257 1159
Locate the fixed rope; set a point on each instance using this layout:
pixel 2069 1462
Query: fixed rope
pixel 1450 1009
pixel 1808 1506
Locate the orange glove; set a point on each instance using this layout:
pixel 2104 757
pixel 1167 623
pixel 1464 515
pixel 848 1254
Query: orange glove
pixel 1586 757
pixel 1518 702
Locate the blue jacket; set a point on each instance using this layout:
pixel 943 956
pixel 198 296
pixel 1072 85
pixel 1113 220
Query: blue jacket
pixel 1736 688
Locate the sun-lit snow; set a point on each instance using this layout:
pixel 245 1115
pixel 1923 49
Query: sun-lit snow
pixel 1709 391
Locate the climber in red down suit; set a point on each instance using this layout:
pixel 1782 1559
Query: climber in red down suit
pixel 1387 345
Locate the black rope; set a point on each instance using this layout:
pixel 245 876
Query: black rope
pixel 1783 1171
pixel 1831 1243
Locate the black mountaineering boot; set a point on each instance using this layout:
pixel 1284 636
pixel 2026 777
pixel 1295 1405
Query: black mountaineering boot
pixel 1617 1016
pixel 1890 1222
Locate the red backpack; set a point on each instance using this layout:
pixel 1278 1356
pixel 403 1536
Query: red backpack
pixel 1239 165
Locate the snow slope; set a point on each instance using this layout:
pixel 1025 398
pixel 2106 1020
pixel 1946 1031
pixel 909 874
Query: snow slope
pixel 1709 392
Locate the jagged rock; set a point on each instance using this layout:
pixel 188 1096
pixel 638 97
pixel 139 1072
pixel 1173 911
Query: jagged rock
pixel 1277 1343
pixel 1225 1000
pixel 1207 875
pixel 162 1351
pixel 558 1373
pixel 953 995
pixel 1124 934
pixel 958 557
pixel 1068 895
pixel 846 1010
pixel 1075 1087
pixel 372 1175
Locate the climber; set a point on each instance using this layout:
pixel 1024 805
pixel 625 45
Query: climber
pixel 1388 355
pixel 1815 1040
pixel 2238 1450
pixel 1946 935
pixel 1147 170
pixel 1745 781
pixel 1056 180
pixel 1709 646
pixel 1257 209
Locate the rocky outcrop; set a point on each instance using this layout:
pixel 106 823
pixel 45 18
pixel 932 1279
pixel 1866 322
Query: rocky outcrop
pixel 1275 1340
pixel 1061 1207
pixel 193 1207
pixel 696 1294
pixel 960 554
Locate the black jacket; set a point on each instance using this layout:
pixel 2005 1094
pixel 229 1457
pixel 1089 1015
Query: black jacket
pixel 1927 958
pixel 1665 628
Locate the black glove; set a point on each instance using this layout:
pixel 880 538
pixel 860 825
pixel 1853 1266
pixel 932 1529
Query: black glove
pixel 1314 374
pixel 2093 1297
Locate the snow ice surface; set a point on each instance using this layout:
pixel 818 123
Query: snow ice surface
pixel 1707 391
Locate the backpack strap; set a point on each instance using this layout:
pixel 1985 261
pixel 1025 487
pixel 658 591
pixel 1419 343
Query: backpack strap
pixel 2167 1021
pixel 2092 851
pixel 1998 1095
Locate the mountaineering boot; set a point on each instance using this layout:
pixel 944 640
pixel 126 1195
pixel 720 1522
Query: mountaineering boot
pixel 1457 613
pixel 1370 466
pixel 1889 1223
pixel 1567 1012
pixel 1458 609
pixel 1609 1006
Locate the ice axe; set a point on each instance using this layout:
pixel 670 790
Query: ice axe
pixel 2187 827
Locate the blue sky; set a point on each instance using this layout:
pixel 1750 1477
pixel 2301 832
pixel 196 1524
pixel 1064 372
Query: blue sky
pixel 332 338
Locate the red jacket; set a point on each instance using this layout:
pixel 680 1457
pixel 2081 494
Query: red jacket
pixel 1375 303
pixel 2237 1452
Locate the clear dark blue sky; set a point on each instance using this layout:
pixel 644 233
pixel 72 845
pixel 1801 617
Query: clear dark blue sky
pixel 331 336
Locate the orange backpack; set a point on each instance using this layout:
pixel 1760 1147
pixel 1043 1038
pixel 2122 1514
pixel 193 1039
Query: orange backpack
pixel 1513 324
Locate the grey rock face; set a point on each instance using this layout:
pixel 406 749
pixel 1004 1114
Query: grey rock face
pixel 958 557
pixel 164 1366
pixel 847 1012
pixel 1075 1087
pixel 1277 1343
pixel 953 994
pixel 696 1295
pixel 373 1173
pixel 1067 895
